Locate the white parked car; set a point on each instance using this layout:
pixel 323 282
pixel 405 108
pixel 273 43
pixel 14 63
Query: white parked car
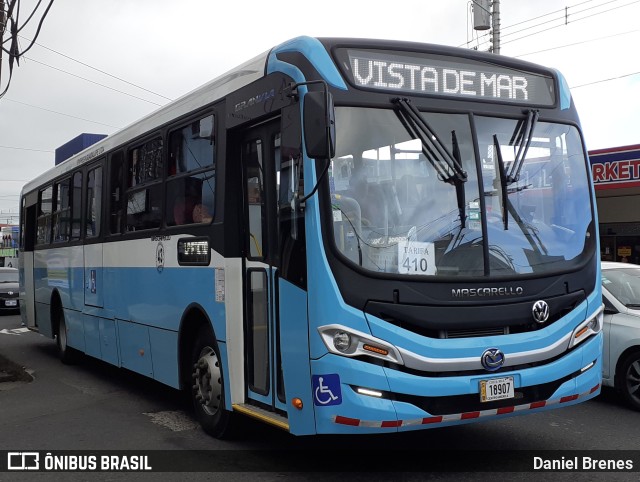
pixel 621 360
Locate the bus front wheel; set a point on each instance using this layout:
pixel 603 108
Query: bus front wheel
pixel 207 391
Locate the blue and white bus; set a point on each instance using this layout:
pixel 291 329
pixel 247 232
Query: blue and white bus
pixel 338 236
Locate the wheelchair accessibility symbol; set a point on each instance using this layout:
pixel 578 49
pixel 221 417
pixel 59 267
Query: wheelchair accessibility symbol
pixel 326 390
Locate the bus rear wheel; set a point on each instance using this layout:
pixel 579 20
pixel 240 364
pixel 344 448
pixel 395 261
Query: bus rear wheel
pixel 207 391
pixel 66 354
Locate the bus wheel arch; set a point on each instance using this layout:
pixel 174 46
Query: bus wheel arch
pixel 201 369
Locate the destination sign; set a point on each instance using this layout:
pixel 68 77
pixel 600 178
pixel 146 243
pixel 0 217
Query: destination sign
pixel 448 76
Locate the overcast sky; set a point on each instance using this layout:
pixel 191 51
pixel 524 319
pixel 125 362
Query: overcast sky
pixel 170 48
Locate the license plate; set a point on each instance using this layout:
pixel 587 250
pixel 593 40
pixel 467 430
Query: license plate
pixel 496 389
pixel 11 303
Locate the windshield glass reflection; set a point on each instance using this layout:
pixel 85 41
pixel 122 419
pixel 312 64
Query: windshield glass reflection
pixel 394 211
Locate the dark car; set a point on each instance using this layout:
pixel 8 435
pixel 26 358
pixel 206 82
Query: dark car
pixel 9 289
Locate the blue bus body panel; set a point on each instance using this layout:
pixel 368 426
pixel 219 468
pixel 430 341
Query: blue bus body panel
pixel 92 336
pixel 135 350
pixel 352 373
pixel 315 52
pixel 109 341
pixel 294 342
pixel 565 92
pixel 75 329
pixel 134 326
pixel 164 356
pixel 159 299
pixel 225 374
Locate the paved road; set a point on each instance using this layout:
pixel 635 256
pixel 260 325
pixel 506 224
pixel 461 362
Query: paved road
pixel 98 407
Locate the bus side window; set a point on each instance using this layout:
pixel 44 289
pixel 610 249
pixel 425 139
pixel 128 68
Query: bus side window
pixel 94 202
pixel 116 188
pixel 144 188
pixel 191 172
pixel 61 211
pixel 45 208
pixel 76 205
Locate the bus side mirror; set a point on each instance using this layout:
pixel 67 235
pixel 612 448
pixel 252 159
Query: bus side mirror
pixel 319 125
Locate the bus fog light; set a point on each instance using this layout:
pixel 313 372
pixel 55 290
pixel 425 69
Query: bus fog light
pixel 369 392
pixel 342 341
pixel 584 369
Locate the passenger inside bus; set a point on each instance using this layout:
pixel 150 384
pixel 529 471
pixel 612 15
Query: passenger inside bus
pixel 201 214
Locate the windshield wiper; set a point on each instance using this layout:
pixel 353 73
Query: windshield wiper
pixel 447 165
pixel 504 195
pixel 522 136
pixel 507 206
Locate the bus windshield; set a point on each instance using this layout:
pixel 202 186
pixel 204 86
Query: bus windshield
pixel 433 200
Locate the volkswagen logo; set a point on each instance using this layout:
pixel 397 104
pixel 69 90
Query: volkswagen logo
pixel 540 311
pixel 492 359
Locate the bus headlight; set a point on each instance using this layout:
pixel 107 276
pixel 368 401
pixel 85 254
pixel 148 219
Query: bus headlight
pixel 590 326
pixel 348 342
pixel 341 341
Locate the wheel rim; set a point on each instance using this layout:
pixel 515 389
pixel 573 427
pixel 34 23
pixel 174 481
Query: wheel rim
pixel 207 378
pixel 633 381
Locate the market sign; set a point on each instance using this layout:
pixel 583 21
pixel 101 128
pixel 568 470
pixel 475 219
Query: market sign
pixel 616 168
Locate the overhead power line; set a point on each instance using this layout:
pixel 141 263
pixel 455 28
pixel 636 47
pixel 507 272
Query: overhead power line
pixel 573 21
pixel 93 81
pixel 24 149
pixel 60 113
pixel 567 16
pixel 578 43
pixel 98 70
pixel 606 80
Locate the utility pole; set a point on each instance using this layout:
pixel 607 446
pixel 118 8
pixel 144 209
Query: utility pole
pixel 3 24
pixel 495 26
pixel 486 15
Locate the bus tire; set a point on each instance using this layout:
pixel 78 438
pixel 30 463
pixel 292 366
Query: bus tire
pixel 629 380
pixel 66 354
pixel 207 391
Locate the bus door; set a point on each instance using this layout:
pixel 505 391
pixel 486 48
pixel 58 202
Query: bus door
pixel 28 227
pixel 261 165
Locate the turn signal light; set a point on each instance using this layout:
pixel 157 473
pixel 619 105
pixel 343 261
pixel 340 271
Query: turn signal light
pixel 375 349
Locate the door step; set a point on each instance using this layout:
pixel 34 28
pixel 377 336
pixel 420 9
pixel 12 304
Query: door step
pixel 262 415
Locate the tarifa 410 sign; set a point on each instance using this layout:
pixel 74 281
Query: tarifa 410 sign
pixel 448 76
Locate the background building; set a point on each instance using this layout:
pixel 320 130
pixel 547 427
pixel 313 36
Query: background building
pixel 9 246
pixel 616 177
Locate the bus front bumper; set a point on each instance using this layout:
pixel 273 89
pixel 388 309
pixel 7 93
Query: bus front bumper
pixel 354 396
